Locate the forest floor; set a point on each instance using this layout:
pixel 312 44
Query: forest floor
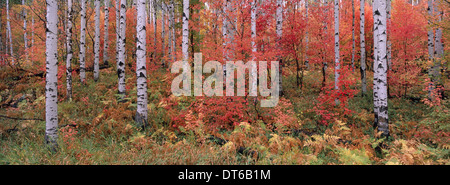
pixel 95 128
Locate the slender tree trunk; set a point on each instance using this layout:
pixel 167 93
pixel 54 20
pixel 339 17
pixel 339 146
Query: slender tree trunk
pixel 141 70
pixel 117 6
pixel 380 76
pixel 82 55
pixel 336 47
pixel 363 49
pixel 122 41
pixel 25 38
pixel 163 32
pixel 185 40
pixel 174 46
pixel 279 30
pixel 97 41
pixel 155 24
pixel 69 50
pixel 438 46
pixel 376 15
pixel 307 35
pixel 254 74
pixel 8 27
pixel 106 34
pixel 51 89
pixel 169 12
pixel 353 35
pixel 32 36
pixel 388 44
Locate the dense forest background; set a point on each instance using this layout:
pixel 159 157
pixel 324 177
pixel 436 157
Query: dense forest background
pixel 350 94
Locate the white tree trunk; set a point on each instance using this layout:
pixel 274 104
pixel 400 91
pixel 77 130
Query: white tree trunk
pixel 336 44
pixel 155 24
pixel 185 40
pixel 307 35
pixel 381 71
pixel 51 89
pixel 279 30
pixel 254 74
pixel 388 43
pixel 69 50
pixel 122 40
pixel 363 49
pixel 25 38
pixel 169 12
pixel 353 35
pixel 82 55
pixel 106 34
pixel 163 32
pixel 141 70
pixel 32 33
pixel 117 6
pixel 438 46
pixel 174 48
pixel 375 58
pixel 97 40
pixel 8 27
pixel 431 51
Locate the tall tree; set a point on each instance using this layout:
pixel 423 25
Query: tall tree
pixel 8 27
pixel 380 76
pixel 185 39
pixel 169 12
pixel 97 40
pixel 336 47
pixel 25 38
pixel 254 47
pixel 307 35
pixel 141 70
pixel 117 29
pixel 174 48
pixel 82 55
pixel 51 89
pixel 163 32
pixel 376 18
pixel 363 49
pixel 353 35
pixel 122 41
pixel 279 30
pixel 106 34
pixel 69 50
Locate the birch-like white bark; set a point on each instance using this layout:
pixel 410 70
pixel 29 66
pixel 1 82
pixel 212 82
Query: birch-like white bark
pixel 8 27
pixel 69 49
pixel 337 65
pixel 97 41
pixel 174 46
pixel 141 70
pixel 381 70
pixel 353 35
pixel 254 74
pixel 25 38
pixel 51 85
pixel 117 8
pixel 82 55
pixel 169 12
pixel 106 34
pixel 185 39
pixel 163 32
pixel 279 30
pixel 122 41
pixel 363 49
pixel 307 35
pixel 376 15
